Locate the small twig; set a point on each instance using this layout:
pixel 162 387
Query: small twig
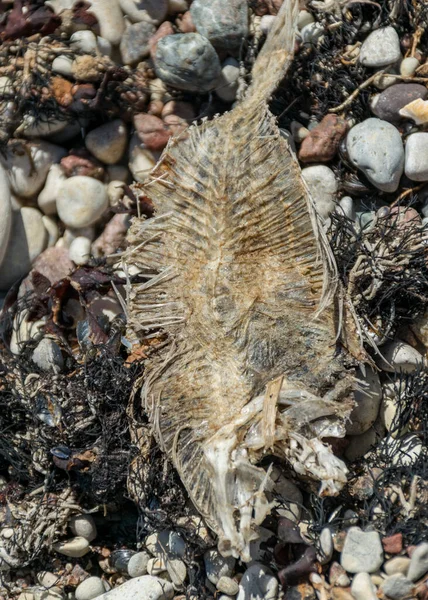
pixel 406 193
pixel 355 93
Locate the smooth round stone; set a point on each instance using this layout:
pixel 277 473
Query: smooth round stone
pixel 177 571
pixel 299 131
pixel 380 48
pixel 31 128
pixel 187 61
pixel 146 587
pixel 368 394
pixel 376 149
pixel 385 80
pixel 258 582
pixel 110 19
pixel 304 18
pixel 134 45
pixel 223 22
pixel 168 543
pixel 6 213
pixel 408 66
pixel 397 587
pixel 398 356
pixel 104 46
pixel 85 41
pixel 28 165
pixel 145 10
pixel 404 451
pixel 137 564
pixel 326 546
pixel 71 234
pixel 312 33
pixel 362 551
pixel 389 102
pixel 346 208
pixel 418 562
pixel 416 161
pixel 46 200
pixel 217 566
pixel 156 566
pixel 90 588
pixel 52 229
pixel 118 173
pixel 108 142
pixel 227 85
pixel 399 564
pixel 47 356
pixel 80 250
pixel 75 547
pixel 81 201
pixel 62 65
pixel 28 238
pixel 323 187
pixel 227 585
pixel 362 587
pixel 6 87
pixel 84 526
pixel 141 161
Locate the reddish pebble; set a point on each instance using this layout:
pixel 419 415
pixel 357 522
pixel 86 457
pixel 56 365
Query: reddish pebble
pixel 81 162
pixel 323 141
pixel 112 237
pixel 152 131
pixel 185 23
pixel 162 31
pixel 393 544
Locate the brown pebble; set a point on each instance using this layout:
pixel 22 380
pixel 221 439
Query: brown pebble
pixel 185 23
pixel 155 108
pixel 338 576
pixel 338 593
pixel 112 237
pixel 152 131
pixel 81 162
pixel 393 544
pixel 323 141
pixel 162 31
pixel 61 90
pixel 339 540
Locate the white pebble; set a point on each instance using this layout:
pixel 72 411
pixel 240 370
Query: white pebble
pixel 83 525
pixel 217 566
pixel 399 357
pixel 398 564
pixel 75 547
pixel 85 41
pixel 177 571
pixel 81 201
pixel 416 160
pixel 137 564
pixel 46 200
pixel 368 394
pixel 323 187
pixel 408 66
pixel 362 587
pixel 167 543
pixel 380 48
pixel 80 250
pixel 110 19
pixel 405 451
pixel 304 18
pixel 141 588
pixel 228 586
pixel 312 33
pixel 90 588
pixel 141 162
pixel 266 23
pixel 326 546
pixel 362 551
pixel 144 10
pixel 48 356
pixel 62 65
pixel 227 84
pixel 52 229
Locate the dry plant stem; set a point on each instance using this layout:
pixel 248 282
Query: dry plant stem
pixel 405 194
pixel 355 93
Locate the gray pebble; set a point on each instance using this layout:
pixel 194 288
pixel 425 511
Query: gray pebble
pixel 137 564
pixel 141 588
pixel 312 33
pixel 48 356
pixel 362 551
pixel 187 61
pixel 258 582
pixel 227 85
pixel 90 588
pixel 376 149
pixel 416 161
pixel 418 562
pixel 223 22
pixel 217 566
pixel 323 186
pixel 346 208
pixel 408 66
pixel 83 525
pixel 397 587
pixel 399 357
pixel 326 546
pixel 393 99
pixel 380 48
pixel 134 44
pixel 167 543
pixel 367 395
pixel 177 571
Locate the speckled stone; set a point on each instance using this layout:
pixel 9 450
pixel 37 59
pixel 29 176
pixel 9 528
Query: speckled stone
pixel 362 551
pixel 134 44
pixel 223 22
pixel 380 48
pixel 187 61
pixel 394 98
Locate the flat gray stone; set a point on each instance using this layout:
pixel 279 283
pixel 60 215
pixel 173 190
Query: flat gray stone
pixel 376 149
pixel 362 551
pixel 397 587
pixel 380 48
pixel 323 186
pixel 187 61
pixel 223 22
pixel 47 355
pixel 416 160
pixel 134 44
pixel 418 562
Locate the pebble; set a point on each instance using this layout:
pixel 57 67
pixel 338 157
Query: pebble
pixel 75 547
pixel 28 238
pixel 323 186
pixel 389 408
pixel 389 102
pixel 85 41
pixel 62 65
pixel 177 571
pixel 397 356
pixel 346 207
pixel 227 585
pixel 223 22
pixel 141 161
pixel 291 496
pixel 145 10
pixel 187 61
pixel 52 229
pixel 84 526
pixel 258 582
pixel 108 142
pixel 90 588
pixel 397 587
pixel 46 200
pixel 266 23
pixel 393 544
pixel 304 18
pixel 375 148
pixel 362 587
pixel 326 546
pixel 6 213
pixel 227 85
pixel 81 201
pixel 323 141
pixel 399 564
pixel 298 131
pixel 145 587
pixel 312 33
pixel 110 19
pixel 381 48
pixel 118 173
pixel 362 551
pixel 419 562
pixel 416 110
pixel 217 566
pixel 408 66
pixel 82 163
pixel 416 162
pixel 368 395
pixel 28 164
pixel 152 131
pixel 156 565
pixel 404 451
pixel 338 576
pixel 359 445
pixel 134 45
pixel 47 356
pixel 168 543
pixel 137 564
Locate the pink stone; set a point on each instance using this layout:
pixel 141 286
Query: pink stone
pixel 393 544
pixel 152 131
pixel 162 31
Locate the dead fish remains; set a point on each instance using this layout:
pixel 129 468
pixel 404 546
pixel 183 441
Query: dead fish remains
pixel 243 283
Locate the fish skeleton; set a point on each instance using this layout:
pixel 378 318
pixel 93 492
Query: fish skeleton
pixel 244 286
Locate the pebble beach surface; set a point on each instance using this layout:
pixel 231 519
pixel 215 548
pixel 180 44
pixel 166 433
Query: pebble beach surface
pixel 115 81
